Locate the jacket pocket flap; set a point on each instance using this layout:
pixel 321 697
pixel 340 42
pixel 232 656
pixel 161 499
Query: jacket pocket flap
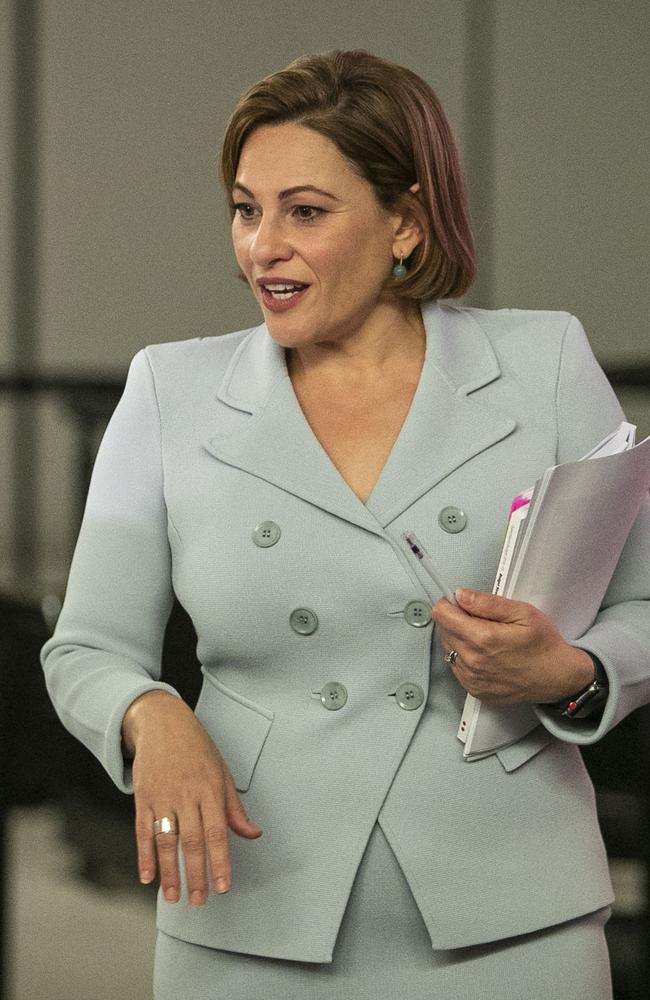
pixel 238 726
pixel 518 753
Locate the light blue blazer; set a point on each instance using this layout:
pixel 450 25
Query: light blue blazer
pixel 208 442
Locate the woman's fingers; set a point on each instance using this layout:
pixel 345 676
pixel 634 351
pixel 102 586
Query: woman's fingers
pixel 202 834
pixel 198 833
pixel 147 862
pixel 216 844
pixel 193 847
pixel 217 815
pixel 167 849
pixel 235 812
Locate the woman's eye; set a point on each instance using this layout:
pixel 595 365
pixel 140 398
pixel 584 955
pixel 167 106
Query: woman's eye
pixel 310 208
pixel 241 207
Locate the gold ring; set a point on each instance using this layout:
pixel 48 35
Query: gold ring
pixel 164 825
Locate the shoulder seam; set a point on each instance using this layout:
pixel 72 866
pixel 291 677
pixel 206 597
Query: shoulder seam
pixel 557 384
pixel 145 351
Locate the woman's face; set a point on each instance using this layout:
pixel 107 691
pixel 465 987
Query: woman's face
pixel 339 242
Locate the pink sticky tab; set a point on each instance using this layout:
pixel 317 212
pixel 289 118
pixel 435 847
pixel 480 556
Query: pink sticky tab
pixel 519 501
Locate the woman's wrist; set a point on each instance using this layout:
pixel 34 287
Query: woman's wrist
pixel 137 716
pixel 584 671
pixel 573 670
pixel 589 696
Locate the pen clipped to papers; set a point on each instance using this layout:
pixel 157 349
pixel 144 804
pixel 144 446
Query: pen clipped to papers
pixel 419 551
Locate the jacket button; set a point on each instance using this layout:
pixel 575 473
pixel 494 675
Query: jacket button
pixel 303 621
pixel 409 696
pixel 452 519
pixel 417 613
pixel 333 695
pixel 266 534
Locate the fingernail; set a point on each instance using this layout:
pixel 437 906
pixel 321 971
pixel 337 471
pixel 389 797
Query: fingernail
pixel 222 885
pixel 171 895
pixel 463 595
pixel 146 878
pixel 196 897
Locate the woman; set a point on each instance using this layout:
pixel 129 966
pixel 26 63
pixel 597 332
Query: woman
pixel 315 828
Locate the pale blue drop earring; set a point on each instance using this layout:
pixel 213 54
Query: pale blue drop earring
pixel 399 270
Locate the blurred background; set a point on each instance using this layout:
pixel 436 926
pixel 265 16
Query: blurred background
pixel 114 234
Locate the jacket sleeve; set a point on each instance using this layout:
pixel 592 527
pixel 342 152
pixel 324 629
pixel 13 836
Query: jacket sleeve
pixel 587 409
pixel 107 646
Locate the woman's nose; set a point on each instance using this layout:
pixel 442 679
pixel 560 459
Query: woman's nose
pixel 269 241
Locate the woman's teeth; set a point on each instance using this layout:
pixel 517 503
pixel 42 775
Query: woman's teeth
pixel 284 291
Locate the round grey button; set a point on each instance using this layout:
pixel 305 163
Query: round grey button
pixel 333 695
pixel 409 696
pixel 452 519
pixel 417 613
pixel 303 621
pixel 266 534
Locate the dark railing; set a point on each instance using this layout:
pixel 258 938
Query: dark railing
pixel 67 774
pixel 88 402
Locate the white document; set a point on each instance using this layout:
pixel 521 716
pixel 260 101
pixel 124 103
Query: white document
pixel 560 553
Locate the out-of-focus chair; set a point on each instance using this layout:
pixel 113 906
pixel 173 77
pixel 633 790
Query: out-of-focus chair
pixel 619 766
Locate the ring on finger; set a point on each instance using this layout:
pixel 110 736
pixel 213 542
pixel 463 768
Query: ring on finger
pixel 166 824
pixel 451 656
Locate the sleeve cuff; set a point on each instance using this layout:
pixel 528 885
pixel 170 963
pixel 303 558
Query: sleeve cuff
pixel 590 728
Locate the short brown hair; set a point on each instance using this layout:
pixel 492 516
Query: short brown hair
pixel 389 125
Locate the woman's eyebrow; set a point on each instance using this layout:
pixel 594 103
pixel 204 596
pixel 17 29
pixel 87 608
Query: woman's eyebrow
pixel 289 191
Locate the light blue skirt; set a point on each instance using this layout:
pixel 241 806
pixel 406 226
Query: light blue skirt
pixel 383 952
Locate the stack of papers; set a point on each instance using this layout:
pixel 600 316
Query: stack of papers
pixel 564 538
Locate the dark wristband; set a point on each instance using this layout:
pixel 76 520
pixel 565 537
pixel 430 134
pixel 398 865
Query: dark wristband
pixel 590 698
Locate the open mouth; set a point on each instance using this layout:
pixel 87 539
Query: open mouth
pixel 281 293
pixel 278 299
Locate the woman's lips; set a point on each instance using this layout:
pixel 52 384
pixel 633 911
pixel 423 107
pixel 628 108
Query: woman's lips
pixel 282 305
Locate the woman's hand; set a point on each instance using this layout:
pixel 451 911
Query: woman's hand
pixel 509 651
pixel 179 772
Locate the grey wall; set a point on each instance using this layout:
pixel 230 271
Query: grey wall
pixel 548 102
pixel 572 219
pixel 6 146
pixel 6 351
pixel 137 238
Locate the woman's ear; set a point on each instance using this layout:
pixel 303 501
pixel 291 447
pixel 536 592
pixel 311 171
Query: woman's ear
pixel 409 231
pixel 409 226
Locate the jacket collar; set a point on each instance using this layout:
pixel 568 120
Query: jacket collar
pixel 262 430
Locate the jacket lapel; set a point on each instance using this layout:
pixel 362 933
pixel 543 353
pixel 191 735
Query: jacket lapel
pixel 263 431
